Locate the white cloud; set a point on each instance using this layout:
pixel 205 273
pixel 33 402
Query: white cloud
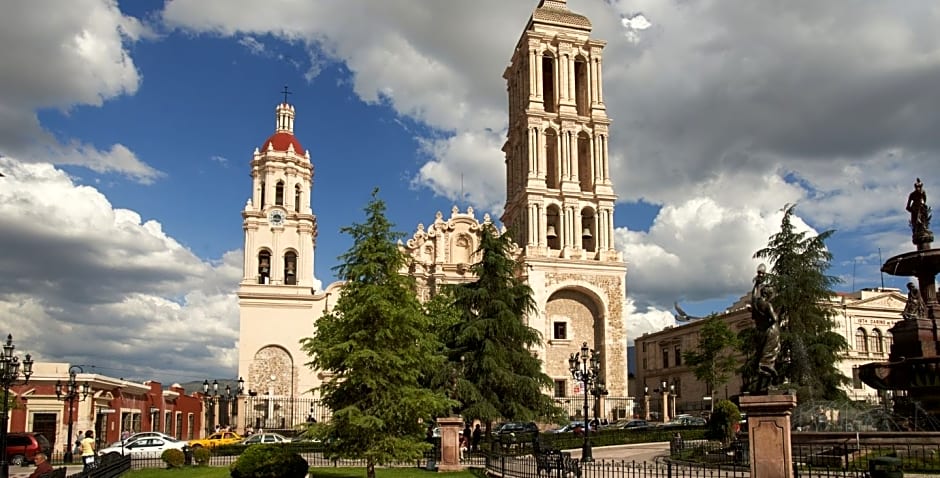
pixel 93 284
pixel 60 55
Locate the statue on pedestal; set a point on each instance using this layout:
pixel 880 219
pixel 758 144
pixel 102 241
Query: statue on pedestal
pixel 767 325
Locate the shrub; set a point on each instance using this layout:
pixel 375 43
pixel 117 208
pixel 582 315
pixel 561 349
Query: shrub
pixel 724 422
pixel 269 461
pixel 173 458
pixel 201 456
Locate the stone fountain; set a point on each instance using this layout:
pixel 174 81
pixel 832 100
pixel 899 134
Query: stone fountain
pixel 914 361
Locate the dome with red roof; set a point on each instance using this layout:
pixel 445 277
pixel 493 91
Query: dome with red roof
pixel 280 142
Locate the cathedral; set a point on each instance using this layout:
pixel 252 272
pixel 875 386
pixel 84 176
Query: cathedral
pixel 559 208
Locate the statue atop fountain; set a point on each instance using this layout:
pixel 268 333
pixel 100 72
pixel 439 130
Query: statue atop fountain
pixel 914 361
pixel 920 215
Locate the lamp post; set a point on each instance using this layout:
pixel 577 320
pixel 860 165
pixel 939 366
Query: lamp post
pixel 69 392
pixel 209 400
pixel 585 367
pixel 672 393
pixel 9 374
pixel 665 391
pixel 598 392
pixel 646 402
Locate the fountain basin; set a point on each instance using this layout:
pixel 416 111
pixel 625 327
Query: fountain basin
pixel 914 263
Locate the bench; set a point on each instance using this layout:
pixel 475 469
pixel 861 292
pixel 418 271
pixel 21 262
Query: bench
pixel 555 460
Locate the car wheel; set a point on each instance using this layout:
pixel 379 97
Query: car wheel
pixel 197 446
pixel 19 460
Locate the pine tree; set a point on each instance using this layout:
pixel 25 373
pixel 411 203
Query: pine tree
pixel 500 377
pixel 376 343
pixel 810 348
pixel 715 359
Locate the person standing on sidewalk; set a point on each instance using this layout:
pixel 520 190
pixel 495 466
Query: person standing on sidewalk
pixel 88 451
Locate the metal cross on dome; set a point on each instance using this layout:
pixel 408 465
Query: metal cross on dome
pixel 286 92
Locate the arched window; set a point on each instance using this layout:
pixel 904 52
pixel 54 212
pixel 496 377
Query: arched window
pixel 262 195
pixel 552 165
pixel 553 228
pixel 264 267
pixel 290 268
pixel 279 193
pixel 548 83
pixel 585 171
pixel 861 340
pixel 297 197
pixel 889 339
pixel 877 345
pixel 581 87
pixel 588 230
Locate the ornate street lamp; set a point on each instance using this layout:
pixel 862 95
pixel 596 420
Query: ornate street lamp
pixel 646 402
pixel 672 393
pixel 585 367
pixel 69 392
pixel 9 374
pixel 665 391
pixel 209 399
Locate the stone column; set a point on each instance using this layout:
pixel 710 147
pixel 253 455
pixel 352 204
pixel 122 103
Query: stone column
pixel 768 427
pixel 450 443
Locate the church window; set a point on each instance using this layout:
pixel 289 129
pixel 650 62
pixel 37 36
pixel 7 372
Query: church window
pixel 877 344
pixel 588 230
pixel 560 331
pixel 548 83
pixel 551 159
pixel 585 171
pixel 553 227
pixel 279 193
pixel 262 194
pixel 861 340
pixel 561 388
pixel 264 267
pixel 290 268
pixel 297 197
pixel 581 87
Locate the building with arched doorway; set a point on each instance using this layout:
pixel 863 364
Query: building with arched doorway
pixel 559 208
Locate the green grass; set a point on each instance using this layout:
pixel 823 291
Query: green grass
pixel 222 472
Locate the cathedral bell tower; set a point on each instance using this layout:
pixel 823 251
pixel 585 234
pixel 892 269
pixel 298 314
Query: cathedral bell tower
pixel 280 228
pixel 559 195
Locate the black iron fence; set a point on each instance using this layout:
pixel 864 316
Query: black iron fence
pixel 283 415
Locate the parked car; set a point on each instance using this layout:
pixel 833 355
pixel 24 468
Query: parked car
pixel 630 424
pixel 146 447
pixel 138 436
pixel 265 438
pixel 685 421
pixel 216 439
pixel 22 447
pixel 517 428
pixel 570 427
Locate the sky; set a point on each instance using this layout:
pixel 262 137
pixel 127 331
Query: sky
pixel 127 128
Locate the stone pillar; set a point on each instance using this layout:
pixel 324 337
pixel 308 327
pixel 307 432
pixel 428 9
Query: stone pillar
pixel 768 427
pixel 450 443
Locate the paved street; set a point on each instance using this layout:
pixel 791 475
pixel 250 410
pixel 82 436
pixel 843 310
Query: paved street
pixel 639 452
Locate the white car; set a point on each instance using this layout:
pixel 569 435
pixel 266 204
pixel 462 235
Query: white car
pixel 265 438
pixel 146 447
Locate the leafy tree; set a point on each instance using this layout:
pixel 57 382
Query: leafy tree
pixel 375 343
pixel 714 361
pixel 810 348
pixel 724 422
pixel 500 378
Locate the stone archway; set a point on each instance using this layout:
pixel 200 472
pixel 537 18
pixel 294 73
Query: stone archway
pixel 581 316
pixel 272 372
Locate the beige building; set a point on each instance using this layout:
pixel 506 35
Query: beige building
pixel 559 208
pixel 862 317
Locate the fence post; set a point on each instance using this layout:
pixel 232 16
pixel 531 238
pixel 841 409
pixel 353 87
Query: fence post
pixel 669 469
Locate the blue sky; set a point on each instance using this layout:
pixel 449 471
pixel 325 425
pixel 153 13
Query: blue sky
pixel 127 128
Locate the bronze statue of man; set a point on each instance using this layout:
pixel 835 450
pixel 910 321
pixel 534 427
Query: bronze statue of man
pixel 767 325
pixel 917 206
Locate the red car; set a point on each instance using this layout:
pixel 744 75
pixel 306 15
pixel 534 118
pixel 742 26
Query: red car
pixel 22 447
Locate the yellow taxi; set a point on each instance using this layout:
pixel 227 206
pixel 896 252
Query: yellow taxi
pixel 216 439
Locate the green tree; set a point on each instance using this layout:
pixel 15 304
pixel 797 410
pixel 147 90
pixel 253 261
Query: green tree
pixel 724 423
pixel 810 348
pixel 500 377
pixel 375 344
pixel 714 361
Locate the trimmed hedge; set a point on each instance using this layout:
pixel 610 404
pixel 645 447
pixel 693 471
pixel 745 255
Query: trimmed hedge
pixel 173 458
pixel 269 461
